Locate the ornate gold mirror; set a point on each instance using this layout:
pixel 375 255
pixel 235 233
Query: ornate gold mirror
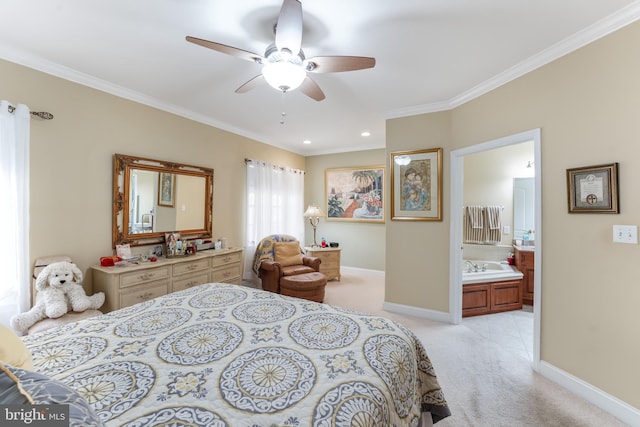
pixel 152 197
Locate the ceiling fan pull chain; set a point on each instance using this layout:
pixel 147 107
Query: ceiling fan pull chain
pixel 283 115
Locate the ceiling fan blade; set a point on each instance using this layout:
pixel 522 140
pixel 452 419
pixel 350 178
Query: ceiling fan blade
pixel 229 50
pixel 289 26
pixel 311 89
pixel 335 64
pixel 254 82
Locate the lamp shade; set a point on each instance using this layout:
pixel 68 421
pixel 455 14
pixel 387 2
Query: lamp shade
pixel 283 75
pixel 313 212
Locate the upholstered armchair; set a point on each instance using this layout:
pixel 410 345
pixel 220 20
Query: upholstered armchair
pixel 280 255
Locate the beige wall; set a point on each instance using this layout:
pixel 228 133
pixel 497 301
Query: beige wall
pixel 363 244
pixel 417 257
pixel 586 105
pixel 72 157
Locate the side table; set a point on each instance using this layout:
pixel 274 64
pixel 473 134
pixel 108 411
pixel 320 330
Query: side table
pixel 330 265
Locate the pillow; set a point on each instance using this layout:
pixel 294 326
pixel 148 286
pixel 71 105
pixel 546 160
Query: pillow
pixel 20 387
pixel 13 351
pixel 287 253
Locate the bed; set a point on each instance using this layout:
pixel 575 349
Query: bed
pixel 227 355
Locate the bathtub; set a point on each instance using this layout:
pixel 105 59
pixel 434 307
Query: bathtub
pixel 495 272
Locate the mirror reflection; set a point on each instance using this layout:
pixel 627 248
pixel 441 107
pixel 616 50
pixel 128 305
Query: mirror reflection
pixel 174 202
pixel 153 197
pixel 523 206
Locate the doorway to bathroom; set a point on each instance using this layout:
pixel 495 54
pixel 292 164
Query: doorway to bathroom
pixel 483 175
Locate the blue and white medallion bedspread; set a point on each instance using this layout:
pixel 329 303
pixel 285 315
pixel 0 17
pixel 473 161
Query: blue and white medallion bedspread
pixel 227 355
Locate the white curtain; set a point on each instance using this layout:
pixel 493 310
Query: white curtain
pixel 275 205
pixel 15 285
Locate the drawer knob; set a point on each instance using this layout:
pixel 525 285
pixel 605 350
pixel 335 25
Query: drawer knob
pixel 147 276
pixel 145 296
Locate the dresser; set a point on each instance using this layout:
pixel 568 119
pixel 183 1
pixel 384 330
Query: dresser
pixel 330 265
pixel 125 286
pixel 524 261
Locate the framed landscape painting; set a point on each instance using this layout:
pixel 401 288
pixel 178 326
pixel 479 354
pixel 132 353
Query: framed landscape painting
pixel 416 185
pixel 355 194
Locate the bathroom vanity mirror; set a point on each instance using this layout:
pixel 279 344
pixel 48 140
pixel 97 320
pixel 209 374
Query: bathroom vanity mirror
pixel 151 197
pixel 523 206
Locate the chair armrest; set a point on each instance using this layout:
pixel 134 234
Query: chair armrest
pixel 268 265
pixel 270 273
pixel 312 261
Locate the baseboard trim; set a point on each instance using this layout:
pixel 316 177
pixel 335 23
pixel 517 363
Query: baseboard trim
pixel 423 313
pixel 616 407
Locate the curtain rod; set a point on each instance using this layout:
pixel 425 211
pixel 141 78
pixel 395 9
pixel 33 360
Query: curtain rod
pixel 42 114
pixel 247 160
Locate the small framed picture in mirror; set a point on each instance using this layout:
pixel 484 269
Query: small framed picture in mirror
pixel 166 189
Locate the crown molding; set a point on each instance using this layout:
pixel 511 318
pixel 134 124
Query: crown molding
pixel 601 28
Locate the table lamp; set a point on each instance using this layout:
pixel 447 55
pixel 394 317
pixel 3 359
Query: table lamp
pixel 314 213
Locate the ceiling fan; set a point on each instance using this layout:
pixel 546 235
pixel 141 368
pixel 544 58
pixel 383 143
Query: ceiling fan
pixel 284 66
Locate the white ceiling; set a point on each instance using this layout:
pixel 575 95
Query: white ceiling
pixel 431 55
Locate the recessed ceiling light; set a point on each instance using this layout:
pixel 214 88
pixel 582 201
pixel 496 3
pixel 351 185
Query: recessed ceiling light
pixel 306 141
pixel 365 133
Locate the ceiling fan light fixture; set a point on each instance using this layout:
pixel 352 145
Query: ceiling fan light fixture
pixel 283 75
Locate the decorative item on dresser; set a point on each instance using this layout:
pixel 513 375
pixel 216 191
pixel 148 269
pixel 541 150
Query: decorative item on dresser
pixel 524 259
pixel 330 257
pixel 125 286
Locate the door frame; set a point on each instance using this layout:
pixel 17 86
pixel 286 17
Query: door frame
pixel 455 233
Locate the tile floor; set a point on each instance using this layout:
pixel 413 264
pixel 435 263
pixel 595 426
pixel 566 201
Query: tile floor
pixel 512 330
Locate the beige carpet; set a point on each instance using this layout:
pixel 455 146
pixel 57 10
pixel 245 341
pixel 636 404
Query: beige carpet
pixel 485 385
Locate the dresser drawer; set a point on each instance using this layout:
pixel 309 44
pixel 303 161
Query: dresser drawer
pixel 328 257
pixel 191 266
pixel 142 276
pixel 224 274
pixel 220 260
pixel 144 293
pixel 189 281
pixel 329 264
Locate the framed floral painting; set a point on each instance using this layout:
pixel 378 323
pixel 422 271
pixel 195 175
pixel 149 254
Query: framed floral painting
pixel 355 194
pixel 416 185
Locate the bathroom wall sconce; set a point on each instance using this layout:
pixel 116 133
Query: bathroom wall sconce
pixel 314 213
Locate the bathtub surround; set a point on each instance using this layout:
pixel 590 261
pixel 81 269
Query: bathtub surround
pixel 486 252
pixel 477 271
pixel 490 287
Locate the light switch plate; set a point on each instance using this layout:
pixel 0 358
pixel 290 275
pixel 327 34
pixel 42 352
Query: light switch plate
pixel 625 234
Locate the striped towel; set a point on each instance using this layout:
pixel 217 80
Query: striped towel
pixel 482 224
pixel 473 224
pixel 494 222
pixel 476 216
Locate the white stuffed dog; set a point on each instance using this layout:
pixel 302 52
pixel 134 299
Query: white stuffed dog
pixel 60 290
